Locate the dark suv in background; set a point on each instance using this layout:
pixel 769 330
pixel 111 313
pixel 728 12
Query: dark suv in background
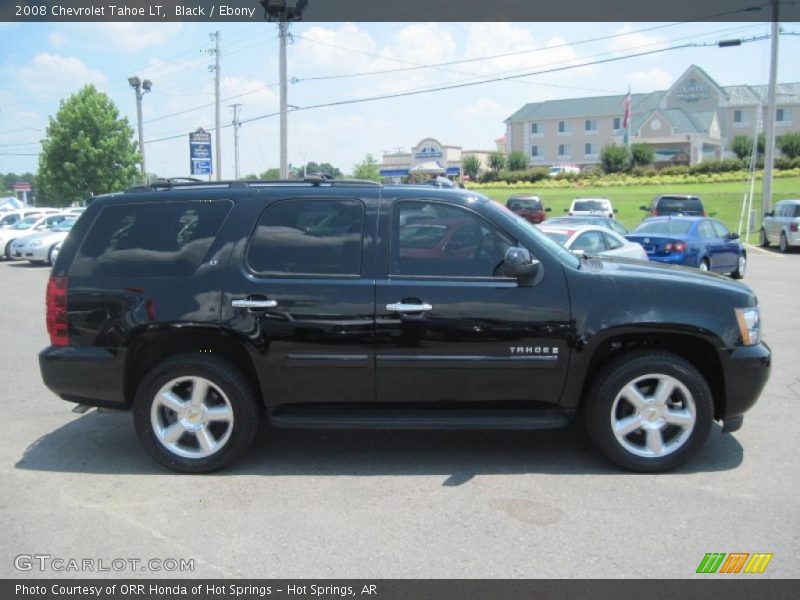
pixel 206 307
pixel 675 204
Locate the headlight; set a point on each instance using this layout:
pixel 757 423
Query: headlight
pixel 35 243
pixel 749 321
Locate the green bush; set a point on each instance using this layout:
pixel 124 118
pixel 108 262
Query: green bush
pixel 642 154
pixel 614 159
pixel 790 145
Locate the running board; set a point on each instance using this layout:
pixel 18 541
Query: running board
pixel 385 418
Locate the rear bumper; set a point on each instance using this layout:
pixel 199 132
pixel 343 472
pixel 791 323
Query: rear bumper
pixel 746 371
pixel 673 259
pixel 90 375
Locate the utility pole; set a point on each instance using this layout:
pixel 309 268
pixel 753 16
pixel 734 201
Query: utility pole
pixel 138 85
pixel 283 30
pixel 236 125
pixel 217 128
pixel 769 151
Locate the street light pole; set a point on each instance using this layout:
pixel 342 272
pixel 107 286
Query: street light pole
pixel 217 128
pixel 236 125
pixel 138 85
pixel 769 151
pixel 283 27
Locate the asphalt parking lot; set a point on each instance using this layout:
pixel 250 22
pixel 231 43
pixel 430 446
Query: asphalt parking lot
pixel 395 504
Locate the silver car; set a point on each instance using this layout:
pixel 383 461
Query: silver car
pixel 28 225
pixel 782 225
pixel 40 247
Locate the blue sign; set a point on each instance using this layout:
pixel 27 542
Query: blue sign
pixel 200 152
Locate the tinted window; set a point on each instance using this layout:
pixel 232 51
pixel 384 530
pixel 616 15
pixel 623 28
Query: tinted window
pixel 589 205
pixel 669 205
pixel 611 242
pixel 664 228
pixel 797 210
pixel 167 239
pixel 309 237
pixel 720 229
pixel 591 241
pixel 524 204
pixel 706 231
pixel 449 242
pixel 9 219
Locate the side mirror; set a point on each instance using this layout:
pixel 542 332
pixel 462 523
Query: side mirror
pixel 566 210
pixel 616 210
pixel 733 236
pixel 548 209
pixel 579 253
pixel 769 214
pixel 520 265
pixel 644 208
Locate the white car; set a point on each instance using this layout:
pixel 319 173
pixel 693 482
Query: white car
pixel 782 226
pixel 26 226
pixel 40 246
pixel 586 207
pixel 556 170
pixel 12 217
pixel 594 240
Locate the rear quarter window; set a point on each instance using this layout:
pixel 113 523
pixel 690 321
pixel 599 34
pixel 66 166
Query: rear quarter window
pixel 163 239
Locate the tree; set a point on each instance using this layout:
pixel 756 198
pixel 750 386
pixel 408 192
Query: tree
pixel 615 159
pixel 790 144
pixel 517 161
pixel 88 150
pixel 273 173
pixel 742 145
pixel 367 169
pixel 471 165
pixel 642 154
pixel 497 161
pixel 326 168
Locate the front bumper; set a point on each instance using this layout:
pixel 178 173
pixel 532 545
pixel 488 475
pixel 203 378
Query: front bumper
pixel 22 252
pixel 746 371
pixel 90 375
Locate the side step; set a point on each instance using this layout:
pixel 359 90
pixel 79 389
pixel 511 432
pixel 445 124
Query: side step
pixel 416 418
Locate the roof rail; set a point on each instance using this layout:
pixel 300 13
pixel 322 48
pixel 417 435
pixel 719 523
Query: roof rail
pixel 189 182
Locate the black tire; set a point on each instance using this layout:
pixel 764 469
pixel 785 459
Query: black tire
pixel 626 369
pixel 221 374
pixel 49 260
pixel 784 243
pixel 741 267
pixel 7 252
pixel 763 241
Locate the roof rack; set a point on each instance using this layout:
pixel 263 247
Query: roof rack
pixel 316 179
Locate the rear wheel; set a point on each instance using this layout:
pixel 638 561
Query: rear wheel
pixel 763 241
pixel 7 253
pixel 50 258
pixel 741 267
pixel 784 243
pixel 649 411
pixel 195 414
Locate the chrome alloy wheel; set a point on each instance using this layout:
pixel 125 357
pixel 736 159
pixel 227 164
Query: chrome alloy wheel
pixel 742 264
pixel 703 265
pixel 653 415
pixel 192 417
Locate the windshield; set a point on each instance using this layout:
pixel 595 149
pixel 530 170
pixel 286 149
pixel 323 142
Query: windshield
pixel 26 223
pixel 670 228
pixel 65 225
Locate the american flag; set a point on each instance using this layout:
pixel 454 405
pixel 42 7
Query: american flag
pixel 626 116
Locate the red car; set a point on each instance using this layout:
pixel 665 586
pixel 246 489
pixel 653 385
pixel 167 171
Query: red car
pixel 528 207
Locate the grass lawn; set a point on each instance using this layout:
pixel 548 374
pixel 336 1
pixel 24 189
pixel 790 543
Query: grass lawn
pixel 724 199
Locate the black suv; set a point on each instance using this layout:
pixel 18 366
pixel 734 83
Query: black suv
pixel 204 308
pixel 667 205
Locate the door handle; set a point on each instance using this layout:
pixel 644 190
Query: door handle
pixel 248 303
pixel 403 307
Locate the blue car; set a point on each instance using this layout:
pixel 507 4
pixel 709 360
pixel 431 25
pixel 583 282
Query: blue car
pixel 693 242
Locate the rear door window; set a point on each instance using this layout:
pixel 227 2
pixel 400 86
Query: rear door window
pixel 164 239
pixel 308 237
pixel 669 205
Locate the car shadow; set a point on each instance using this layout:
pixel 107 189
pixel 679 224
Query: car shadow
pixel 24 264
pixel 107 444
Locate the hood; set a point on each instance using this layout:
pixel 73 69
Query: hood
pixel 47 237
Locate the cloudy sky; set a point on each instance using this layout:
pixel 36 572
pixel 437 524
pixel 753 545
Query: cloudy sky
pixel 42 63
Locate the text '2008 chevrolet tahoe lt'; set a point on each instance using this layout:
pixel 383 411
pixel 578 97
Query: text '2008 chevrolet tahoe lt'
pixel 204 308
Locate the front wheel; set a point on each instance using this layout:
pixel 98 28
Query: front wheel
pixel 195 414
pixel 784 243
pixel 763 240
pixel 741 267
pixel 649 411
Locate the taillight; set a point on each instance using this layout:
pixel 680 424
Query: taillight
pixel 56 302
pixel 676 246
pixel 793 227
